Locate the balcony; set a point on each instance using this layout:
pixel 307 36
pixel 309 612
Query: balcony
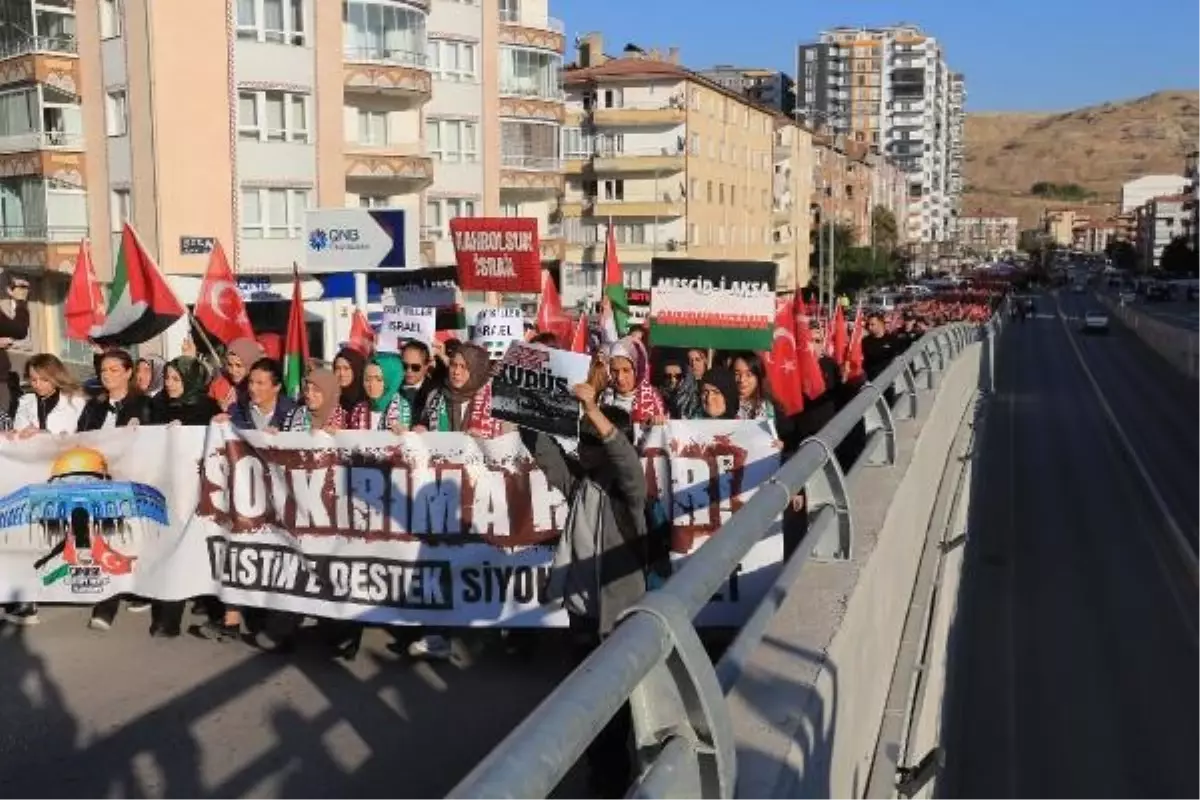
pixel 526 29
pixel 668 206
pixel 66 166
pixel 654 160
pixel 531 173
pixel 51 248
pixel 551 243
pixel 392 73
pixel 523 102
pixel 41 140
pixel 671 113
pixel 593 252
pixel 403 163
pixel 41 59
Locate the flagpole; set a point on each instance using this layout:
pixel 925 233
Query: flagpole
pixel 198 328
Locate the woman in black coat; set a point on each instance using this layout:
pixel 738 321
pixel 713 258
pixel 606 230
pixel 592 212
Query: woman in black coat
pixel 118 405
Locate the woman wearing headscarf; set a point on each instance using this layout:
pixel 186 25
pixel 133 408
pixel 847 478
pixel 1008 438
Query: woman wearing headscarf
pixel 383 379
pixel 353 413
pixel 230 386
pixel 629 383
pixel 184 399
pixel 320 401
pixel 679 390
pixel 718 394
pixel 464 402
pixel 149 374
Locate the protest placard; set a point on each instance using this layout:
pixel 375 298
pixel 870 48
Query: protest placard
pixel 535 388
pixel 727 305
pixel 430 287
pixel 405 323
pixel 424 529
pixel 497 254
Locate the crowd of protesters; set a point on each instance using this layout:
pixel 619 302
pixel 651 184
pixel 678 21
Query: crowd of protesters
pixel 447 387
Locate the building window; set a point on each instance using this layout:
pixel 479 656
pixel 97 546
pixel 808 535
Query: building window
pixel 530 73
pixel 694 233
pixel 614 190
pixel 274 213
pixel 510 10
pixel 695 190
pixel 374 201
pixel 529 145
pixel 452 140
pixel 732 196
pixel 510 209
pixel 373 128
pixel 119 209
pixel 285 115
pixel 576 143
pixel 710 191
pixel 451 60
pixel 111 13
pixel 695 145
pixel 117 113
pixel 721 193
pixel 277 21
pixel 441 211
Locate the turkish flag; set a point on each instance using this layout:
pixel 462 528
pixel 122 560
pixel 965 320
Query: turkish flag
pixel 579 341
pixel 550 316
pixel 812 380
pixel 219 308
pixel 362 335
pixel 110 560
pixel 783 366
pixel 84 304
pixel 836 338
pixel 854 352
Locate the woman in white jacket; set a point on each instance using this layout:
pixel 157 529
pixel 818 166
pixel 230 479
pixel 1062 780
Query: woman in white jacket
pixel 55 402
pixel 52 407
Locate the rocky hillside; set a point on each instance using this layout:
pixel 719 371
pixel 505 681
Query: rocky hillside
pixel 1095 148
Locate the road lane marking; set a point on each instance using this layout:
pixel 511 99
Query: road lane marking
pixel 1177 536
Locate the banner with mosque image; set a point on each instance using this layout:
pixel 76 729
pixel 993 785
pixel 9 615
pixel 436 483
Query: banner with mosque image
pixel 430 529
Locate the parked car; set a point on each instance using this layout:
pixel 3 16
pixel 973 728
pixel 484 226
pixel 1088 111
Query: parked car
pixel 1095 321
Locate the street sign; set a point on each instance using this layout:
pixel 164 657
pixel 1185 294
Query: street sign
pixel 196 245
pixel 356 240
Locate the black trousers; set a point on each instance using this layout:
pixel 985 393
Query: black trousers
pixel 609 758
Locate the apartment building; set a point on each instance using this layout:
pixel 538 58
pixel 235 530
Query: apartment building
pixel 792 190
pixel 1093 236
pixel 766 87
pixel 439 108
pixel 1139 191
pixel 890 191
pixel 678 165
pixel 988 234
pixel 1159 221
pixel 1059 224
pixel 890 88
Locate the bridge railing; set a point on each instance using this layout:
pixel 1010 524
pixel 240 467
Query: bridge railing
pixel 655 659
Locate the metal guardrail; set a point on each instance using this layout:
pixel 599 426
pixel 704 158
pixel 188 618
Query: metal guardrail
pixel 530 162
pixel 655 659
pixel 386 55
pixel 42 233
pixel 38 44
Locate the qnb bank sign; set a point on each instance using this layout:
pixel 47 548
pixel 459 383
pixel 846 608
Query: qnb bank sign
pixel 359 239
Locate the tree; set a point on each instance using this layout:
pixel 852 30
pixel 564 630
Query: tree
pixel 1032 240
pixel 884 232
pixel 1122 254
pixel 1178 257
pixel 843 240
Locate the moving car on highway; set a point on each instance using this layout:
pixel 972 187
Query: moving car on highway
pixel 1095 321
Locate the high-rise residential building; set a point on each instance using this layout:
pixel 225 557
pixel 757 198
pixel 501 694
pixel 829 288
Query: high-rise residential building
pixel 440 108
pixel 890 88
pixel 679 166
pixel 767 87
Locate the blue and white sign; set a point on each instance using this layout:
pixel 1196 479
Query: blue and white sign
pixel 357 240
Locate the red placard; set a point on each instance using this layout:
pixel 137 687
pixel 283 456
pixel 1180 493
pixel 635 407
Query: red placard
pixel 497 254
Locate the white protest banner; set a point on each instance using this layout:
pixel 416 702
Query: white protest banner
pixel 727 305
pixel 497 328
pixel 428 529
pixel 404 323
pixel 535 388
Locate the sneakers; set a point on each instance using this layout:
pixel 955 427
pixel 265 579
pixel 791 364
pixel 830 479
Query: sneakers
pixel 138 606
pixel 22 614
pixel 218 632
pixel 432 647
pixel 99 624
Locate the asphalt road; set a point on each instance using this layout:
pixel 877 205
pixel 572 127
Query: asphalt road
pixel 84 714
pixel 1075 653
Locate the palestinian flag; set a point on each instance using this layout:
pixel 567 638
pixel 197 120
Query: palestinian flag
pixel 140 304
pixel 295 347
pixel 614 284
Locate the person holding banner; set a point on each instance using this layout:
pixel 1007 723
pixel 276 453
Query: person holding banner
pixel 602 560
pixel 230 386
pixel 629 386
pixel 120 404
pixel 184 400
pixel 150 375
pixel 320 401
pixel 265 408
pixel 383 378
pixel 719 395
pixel 353 413
pixel 464 403
pixel 421 372
pixel 56 401
pixel 679 389
pixel 750 374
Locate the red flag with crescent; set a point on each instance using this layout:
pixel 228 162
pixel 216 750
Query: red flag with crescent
pixel 110 560
pixel 219 307
pixel 84 304
pixel 783 364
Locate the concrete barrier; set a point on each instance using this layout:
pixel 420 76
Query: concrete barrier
pixel 1179 346
pixel 808 709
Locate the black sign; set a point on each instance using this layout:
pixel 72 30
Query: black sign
pixel 638 297
pixel 196 245
pixel 449 318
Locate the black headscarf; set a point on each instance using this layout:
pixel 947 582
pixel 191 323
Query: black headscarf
pixel 353 394
pixel 723 381
pixel 682 399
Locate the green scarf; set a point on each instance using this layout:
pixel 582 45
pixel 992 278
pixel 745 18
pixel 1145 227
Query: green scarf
pixel 392 367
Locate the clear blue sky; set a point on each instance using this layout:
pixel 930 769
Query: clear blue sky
pixel 1032 55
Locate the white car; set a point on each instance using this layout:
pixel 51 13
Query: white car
pixel 1095 322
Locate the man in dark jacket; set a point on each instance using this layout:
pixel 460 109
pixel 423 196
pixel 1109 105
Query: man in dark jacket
pixel 267 408
pixel 878 347
pixel 601 564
